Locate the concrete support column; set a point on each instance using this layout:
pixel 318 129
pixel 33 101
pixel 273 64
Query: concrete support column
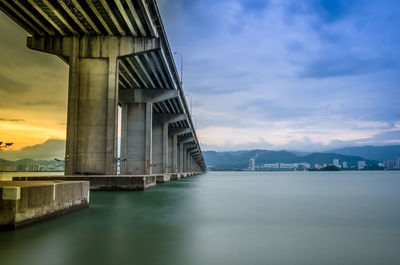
pixel 187 161
pixel 124 135
pixel 170 154
pixel 184 164
pixel 181 158
pixel 175 154
pixel 92 114
pixel 160 148
pixel 165 153
pixel 136 142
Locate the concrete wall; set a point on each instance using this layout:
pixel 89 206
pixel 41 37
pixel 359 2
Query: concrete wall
pixel 24 202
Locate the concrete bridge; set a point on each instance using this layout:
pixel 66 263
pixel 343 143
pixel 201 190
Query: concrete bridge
pixel 121 75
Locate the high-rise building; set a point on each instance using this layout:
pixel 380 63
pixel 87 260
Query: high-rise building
pixel 344 164
pixel 360 164
pixel 336 162
pixel 252 164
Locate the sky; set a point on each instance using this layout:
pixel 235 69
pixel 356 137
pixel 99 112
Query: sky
pixel 296 75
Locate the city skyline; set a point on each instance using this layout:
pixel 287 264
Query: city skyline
pixel 261 74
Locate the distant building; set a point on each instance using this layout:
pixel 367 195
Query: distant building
pixel 324 165
pixel 392 164
pixel 252 164
pixel 287 166
pixel 344 164
pixel 271 166
pixel 360 164
pixel 336 162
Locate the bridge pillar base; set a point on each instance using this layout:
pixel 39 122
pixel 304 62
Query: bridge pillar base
pixel 137 138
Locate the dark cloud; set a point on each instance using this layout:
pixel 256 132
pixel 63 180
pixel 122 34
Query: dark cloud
pixel 40 103
pixel 346 65
pixel 11 120
pixel 326 11
pixel 12 86
pixel 332 10
pixel 254 5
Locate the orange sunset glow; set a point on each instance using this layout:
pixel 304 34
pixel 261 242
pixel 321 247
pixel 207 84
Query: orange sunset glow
pixel 33 90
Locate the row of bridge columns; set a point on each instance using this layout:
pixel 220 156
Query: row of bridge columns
pixel 148 144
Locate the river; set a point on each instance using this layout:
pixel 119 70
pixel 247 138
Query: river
pixel 226 218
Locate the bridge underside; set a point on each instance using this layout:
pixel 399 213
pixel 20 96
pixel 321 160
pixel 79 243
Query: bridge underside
pixel 121 75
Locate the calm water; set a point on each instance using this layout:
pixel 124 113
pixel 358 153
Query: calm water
pixel 227 218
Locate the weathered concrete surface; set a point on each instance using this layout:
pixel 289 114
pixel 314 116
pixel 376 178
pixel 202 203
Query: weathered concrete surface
pixel 25 202
pixel 104 182
pixel 176 176
pixel 136 140
pixel 163 178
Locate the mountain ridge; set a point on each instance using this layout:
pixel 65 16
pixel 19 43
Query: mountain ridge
pixel 240 159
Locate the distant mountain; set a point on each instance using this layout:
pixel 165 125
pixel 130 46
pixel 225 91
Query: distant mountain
pixel 380 153
pixel 240 159
pixel 52 148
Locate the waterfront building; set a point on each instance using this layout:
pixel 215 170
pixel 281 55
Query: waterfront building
pixel 252 164
pixel 271 166
pixel 336 162
pixel 392 164
pixel 344 165
pixel 360 164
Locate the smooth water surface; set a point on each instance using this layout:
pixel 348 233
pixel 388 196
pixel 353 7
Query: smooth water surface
pixel 227 218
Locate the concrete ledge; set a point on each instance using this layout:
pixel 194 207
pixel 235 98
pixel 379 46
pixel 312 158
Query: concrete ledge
pixel 26 202
pixel 175 176
pixel 163 178
pixel 104 182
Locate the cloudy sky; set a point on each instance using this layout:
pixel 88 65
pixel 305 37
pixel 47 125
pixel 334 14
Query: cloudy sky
pixel 278 74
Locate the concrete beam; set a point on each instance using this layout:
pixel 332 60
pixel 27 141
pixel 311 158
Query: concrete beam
pixel 179 131
pixel 197 157
pixel 189 145
pixel 168 118
pixel 191 150
pixel 138 95
pixel 187 140
pixel 194 151
pixel 94 46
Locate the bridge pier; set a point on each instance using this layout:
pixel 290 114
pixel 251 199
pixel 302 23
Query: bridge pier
pixel 92 138
pixel 181 158
pixel 160 148
pixel 137 138
pixel 92 119
pixel 174 153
